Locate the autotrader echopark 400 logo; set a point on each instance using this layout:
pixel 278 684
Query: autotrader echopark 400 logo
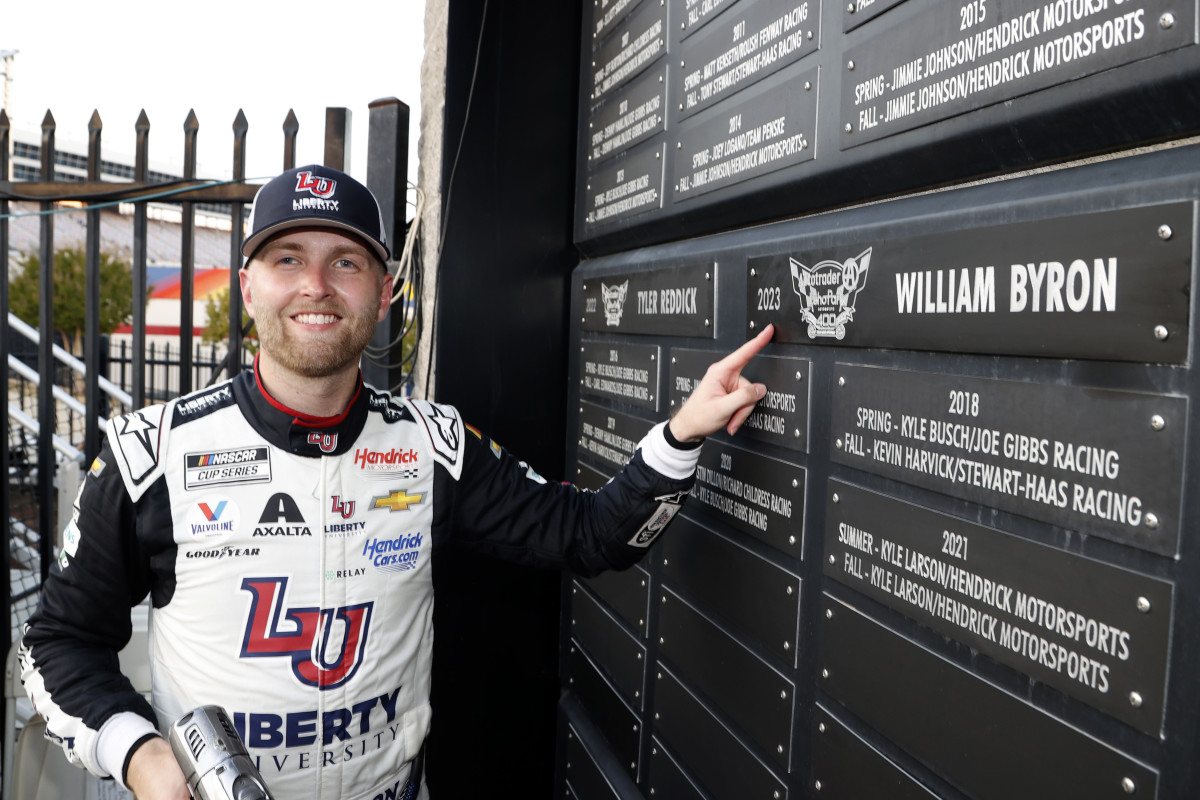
pixel 828 292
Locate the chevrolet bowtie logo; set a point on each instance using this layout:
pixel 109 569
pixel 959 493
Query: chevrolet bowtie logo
pixel 398 500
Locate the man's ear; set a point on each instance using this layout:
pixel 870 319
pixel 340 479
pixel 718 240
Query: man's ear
pixel 385 295
pixel 244 279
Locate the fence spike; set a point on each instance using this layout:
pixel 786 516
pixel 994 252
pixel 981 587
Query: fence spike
pixel 291 126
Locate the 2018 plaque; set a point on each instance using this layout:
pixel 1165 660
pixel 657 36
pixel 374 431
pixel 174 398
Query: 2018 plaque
pixel 1096 632
pixel 1110 285
pixel 781 416
pixel 1103 462
pixel 936 60
pixel 625 372
pixel 673 301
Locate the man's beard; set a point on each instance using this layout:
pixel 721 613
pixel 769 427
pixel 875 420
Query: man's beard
pixel 315 357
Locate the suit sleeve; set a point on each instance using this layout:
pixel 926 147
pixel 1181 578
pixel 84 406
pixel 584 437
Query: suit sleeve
pixel 69 663
pixel 503 508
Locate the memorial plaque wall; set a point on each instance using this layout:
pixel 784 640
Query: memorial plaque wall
pixel 949 554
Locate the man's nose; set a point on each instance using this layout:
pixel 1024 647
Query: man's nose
pixel 315 281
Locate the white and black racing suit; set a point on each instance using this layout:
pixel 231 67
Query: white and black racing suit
pixel 288 564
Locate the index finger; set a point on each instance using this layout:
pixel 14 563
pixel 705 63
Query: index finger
pixel 735 361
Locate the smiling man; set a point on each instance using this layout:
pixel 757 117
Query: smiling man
pixel 283 524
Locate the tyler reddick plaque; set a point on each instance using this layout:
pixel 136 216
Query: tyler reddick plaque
pixel 1103 462
pixel 1096 632
pixel 671 301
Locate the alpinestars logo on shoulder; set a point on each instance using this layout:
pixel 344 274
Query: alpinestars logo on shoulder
pixel 828 292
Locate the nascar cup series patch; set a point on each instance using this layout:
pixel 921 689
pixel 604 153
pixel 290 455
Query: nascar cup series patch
pixel 669 505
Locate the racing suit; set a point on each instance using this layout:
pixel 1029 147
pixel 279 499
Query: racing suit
pixel 287 559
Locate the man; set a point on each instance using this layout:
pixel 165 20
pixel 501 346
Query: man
pixel 283 524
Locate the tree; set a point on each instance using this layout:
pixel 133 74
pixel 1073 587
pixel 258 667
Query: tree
pixel 116 293
pixel 216 322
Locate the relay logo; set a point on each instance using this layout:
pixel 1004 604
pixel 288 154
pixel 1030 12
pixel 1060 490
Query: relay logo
pixel 326 645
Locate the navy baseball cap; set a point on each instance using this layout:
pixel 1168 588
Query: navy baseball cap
pixel 316 197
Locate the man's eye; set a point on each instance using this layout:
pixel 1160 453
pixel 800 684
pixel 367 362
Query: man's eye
pixel 346 263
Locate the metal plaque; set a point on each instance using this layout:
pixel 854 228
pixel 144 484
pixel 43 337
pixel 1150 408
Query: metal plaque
pixel 1096 632
pixel 619 371
pixel 844 767
pixel 585 780
pixel 781 417
pixel 626 591
pixel 941 60
pixel 1105 463
pixel 630 116
pixel 635 43
pixel 695 14
pixel 621 657
pixel 671 301
pixel 857 12
pixel 755 494
pixel 756 697
pixel 708 749
pixel 606 14
pixel 609 436
pixel 990 744
pixel 767 129
pixel 755 39
pixel 1111 285
pixel 667 778
pixel 628 185
pixel 702 566
pixel 589 478
pixel 605 707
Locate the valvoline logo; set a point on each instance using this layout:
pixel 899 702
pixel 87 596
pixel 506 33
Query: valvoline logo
pixel 326 645
pixel 214 518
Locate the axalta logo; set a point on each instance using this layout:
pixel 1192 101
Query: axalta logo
pixel 315 185
pixel 281 517
pixel 325 645
pixel 377 460
pixel 394 555
pixel 215 517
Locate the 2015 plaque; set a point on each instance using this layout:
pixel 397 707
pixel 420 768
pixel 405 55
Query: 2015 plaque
pixel 757 38
pixel 935 60
pixel 1111 285
pixel 625 372
pixel 1096 632
pixel 767 129
pixel 781 416
pixel 609 436
pixel 756 494
pixel 673 301
pixel 971 732
pixel 1103 462
pixel 633 45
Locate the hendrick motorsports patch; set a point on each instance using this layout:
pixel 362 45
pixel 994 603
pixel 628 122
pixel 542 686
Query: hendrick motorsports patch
pixel 239 465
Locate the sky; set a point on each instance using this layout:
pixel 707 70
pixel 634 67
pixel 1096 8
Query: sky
pixel 119 57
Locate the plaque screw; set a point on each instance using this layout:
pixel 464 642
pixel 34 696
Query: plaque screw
pixel 791 540
pixel 783 694
pixel 795 483
pixel 1160 332
pixel 1165 232
pixel 707 323
pixel 778 748
pixel 751 324
pixel 808 86
pixel 753 272
pixel 1151 520
pixel 790 590
pixel 682 64
pixel 796 433
pixel 1166 21
pixel 1128 785
pixel 1135 699
pixel 1157 422
pixel 1143 605
pixel 850 8
pixel 850 65
pixel 799 376
pixel 829 613
pixel 810 36
pixel 817 785
pixel 821 727
pixel 841 381
pixel 836 498
pixel 679 145
pixel 832 560
pixel 849 128
pixel 824 673
pixel 708 276
pixel 787 645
